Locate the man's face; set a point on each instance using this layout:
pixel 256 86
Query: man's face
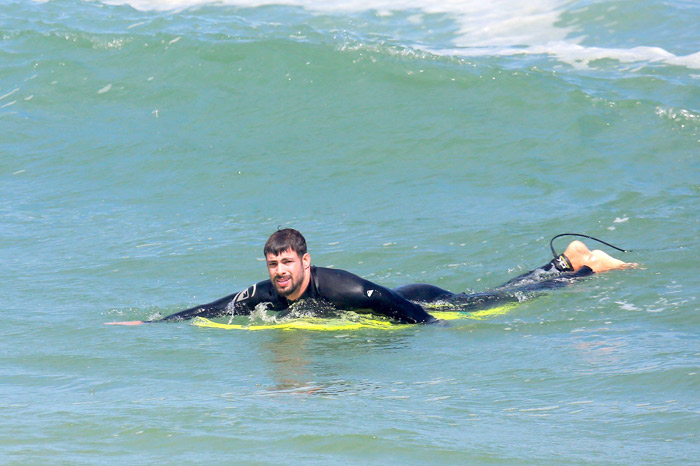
pixel 288 273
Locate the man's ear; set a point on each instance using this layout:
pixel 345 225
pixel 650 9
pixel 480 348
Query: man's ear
pixel 306 261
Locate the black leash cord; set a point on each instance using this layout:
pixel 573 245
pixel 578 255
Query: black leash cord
pixel 551 243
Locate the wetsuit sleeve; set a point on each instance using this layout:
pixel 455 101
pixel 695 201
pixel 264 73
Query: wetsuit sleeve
pixel 213 309
pixel 242 303
pixel 348 291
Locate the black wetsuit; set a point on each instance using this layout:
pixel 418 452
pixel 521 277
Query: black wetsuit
pixel 347 291
pixel 342 289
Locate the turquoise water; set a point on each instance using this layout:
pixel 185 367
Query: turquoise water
pixel 148 148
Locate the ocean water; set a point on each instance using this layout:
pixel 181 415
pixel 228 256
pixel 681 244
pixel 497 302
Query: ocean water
pixel 149 147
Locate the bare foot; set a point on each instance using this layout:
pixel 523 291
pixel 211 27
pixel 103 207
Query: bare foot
pixel 600 261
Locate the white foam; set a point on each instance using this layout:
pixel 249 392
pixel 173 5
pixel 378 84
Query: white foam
pixel 9 93
pixel 579 56
pixel 625 306
pixel 493 23
pixel 494 28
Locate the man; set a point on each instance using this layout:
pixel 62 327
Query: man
pixel 293 279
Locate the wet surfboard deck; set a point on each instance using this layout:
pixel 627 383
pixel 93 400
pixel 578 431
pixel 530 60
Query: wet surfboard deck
pixel 367 321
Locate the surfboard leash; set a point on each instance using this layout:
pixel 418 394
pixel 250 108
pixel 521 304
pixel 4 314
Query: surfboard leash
pixel 551 242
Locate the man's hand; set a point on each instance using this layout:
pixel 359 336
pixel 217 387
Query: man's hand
pixel 128 322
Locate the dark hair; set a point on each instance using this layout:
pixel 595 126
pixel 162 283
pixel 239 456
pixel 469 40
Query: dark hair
pixel 283 240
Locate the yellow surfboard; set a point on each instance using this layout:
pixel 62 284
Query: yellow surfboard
pixel 368 321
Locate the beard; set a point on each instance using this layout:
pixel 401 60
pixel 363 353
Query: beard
pixel 290 289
